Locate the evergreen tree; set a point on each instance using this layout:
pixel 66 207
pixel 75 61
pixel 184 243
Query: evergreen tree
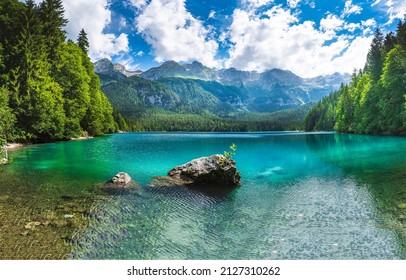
pixel 75 82
pixel 99 116
pixel 83 42
pixel 6 116
pixel 52 27
pixel 361 113
pixel 36 97
pixel 389 43
pixel 392 102
pixel 11 16
pixel 401 33
pixel 374 58
pixel 345 111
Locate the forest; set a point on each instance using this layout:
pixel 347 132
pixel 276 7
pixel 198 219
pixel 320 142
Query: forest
pixel 375 100
pixel 48 88
pixel 163 120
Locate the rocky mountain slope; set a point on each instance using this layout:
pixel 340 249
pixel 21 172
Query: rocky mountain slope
pixel 193 88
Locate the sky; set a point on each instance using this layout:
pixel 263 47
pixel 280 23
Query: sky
pixel 307 37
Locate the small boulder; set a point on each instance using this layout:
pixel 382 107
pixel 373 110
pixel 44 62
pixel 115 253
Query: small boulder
pixel 121 178
pixel 119 184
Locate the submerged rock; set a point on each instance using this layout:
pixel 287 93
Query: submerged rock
pixel 119 184
pixel 121 178
pixel 213 171
pixel 32 225
pixel 402 206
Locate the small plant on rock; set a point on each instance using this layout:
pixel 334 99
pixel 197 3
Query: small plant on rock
pixel 229 154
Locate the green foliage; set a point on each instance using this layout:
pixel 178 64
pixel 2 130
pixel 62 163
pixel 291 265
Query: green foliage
pixel 229 154
pixel 375 101
pixel 164 120
pixel 323 115
pixel 48 88
pixel 374 58
pixel 392 103
pixel 6 119
pixel 75 81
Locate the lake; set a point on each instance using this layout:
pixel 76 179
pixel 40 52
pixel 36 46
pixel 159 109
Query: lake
pixel 302 196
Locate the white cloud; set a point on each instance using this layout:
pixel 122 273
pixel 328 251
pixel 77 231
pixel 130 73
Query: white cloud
pixel 138 3
pixel 350 8
pixel 127 61
pixel 355 55
pixel 276 39
pixel 140 53
pixel 293 3
pixel 369 22
pixel 376 3
pixel 122 23
pixel 212 14
pixel 396 9
pixel 351 27
pixel 175 34
pixel 332 22
pixel 257 3
pixel 94 16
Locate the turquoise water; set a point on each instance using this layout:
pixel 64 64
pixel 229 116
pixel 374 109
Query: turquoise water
pixel 303 196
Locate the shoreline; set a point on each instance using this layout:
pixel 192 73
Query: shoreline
pixel 11 146
pixel 82 138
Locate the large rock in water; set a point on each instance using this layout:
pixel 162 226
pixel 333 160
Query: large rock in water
pixel 119 184
pixel 215 170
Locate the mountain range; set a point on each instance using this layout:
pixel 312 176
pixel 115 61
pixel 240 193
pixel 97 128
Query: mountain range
pixel 195 88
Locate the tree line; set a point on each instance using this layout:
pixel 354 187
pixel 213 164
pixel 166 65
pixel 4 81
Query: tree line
pixel 375 100
pixel 163 120
pixel 48 88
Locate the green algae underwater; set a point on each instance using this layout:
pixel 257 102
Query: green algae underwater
pixel 302 196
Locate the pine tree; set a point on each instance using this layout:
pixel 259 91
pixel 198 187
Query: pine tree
pixel 392 101
pixel 374 58
pixel 6 116
pixel 11 15
pixel 83 42
pixel 345 111
pixel 389 43
pixel 401 33
pixel 35 97
pixel 73 78
pixel 52 27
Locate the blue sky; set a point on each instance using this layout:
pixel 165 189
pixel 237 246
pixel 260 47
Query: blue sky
pixel 308 37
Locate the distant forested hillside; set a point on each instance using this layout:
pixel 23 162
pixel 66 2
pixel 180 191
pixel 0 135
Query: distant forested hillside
pixel 48 88
pixel 180 104
pixel 375 100
pixel 164 120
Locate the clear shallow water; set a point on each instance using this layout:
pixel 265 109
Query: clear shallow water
pixel 303 196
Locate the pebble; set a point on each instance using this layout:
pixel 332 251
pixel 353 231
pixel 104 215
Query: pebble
pixel 32 225
pixel 25 233
pixel 402 206
pixel 68 216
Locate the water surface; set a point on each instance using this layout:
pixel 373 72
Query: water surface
pixel 303 196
